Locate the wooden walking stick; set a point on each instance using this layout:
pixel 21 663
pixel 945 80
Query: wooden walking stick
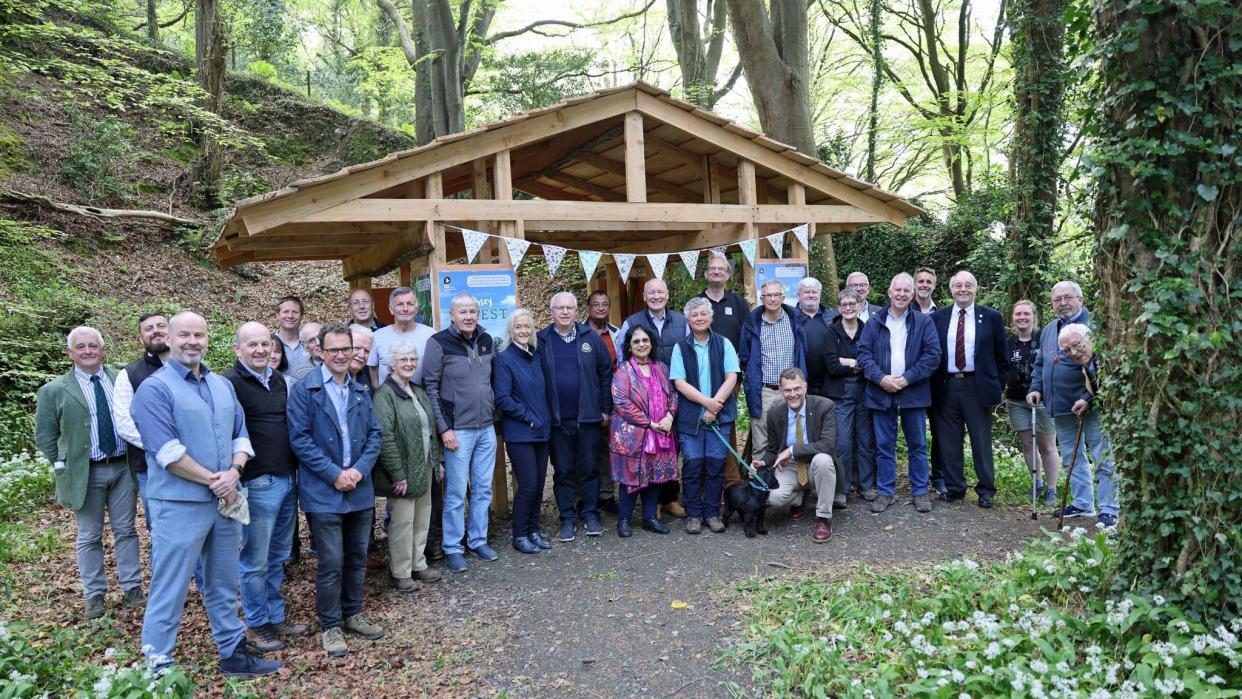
pixel 1070 471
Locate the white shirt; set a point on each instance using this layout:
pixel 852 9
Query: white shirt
pixel 386 337
pixel 970 339
pixel 896 341
pixel 122 421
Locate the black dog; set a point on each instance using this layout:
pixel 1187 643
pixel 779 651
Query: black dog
pixel 749 501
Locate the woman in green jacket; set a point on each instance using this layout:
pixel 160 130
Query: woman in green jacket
pixel 409 459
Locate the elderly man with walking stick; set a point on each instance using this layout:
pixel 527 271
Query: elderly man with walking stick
pixel 1064 379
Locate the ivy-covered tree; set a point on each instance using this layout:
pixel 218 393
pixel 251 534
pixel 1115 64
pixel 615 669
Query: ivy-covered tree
pixel 1169 176
pixel 1038 40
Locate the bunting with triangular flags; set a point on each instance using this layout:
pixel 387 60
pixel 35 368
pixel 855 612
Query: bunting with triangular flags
pixel 801 233
pixel 690 258
pixel 553 254
pixel 748 250
pixel 474 241
pixel 625 262
pixel 589 259
pixel 777 240
pixel 517 250
pixel 658 262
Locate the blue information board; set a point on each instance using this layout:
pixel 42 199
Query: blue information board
pixel 787 273
pixel 493 285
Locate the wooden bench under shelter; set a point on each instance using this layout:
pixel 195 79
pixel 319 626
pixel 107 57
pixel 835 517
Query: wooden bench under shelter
pixel 624 170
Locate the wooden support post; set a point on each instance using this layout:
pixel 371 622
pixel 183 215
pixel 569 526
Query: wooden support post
pixel 480 191
pixel 616 293
pixel 635 159
pixel 797 195
pixel 502 190
pixel 360 283
pixel 711 177
pixel 746 196
pixel 404 276
pixel 434 189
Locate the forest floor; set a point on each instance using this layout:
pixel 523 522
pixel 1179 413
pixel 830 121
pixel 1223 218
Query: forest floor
pixel 597 617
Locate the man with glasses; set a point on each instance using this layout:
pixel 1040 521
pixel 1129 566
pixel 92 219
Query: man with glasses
pixel 815 319
pixel 309 340
pixel 862 286
pixel 599 306
pixel 772 341
pixel 336 437
pixel 580 370
pixel 362 310
pixel 729 310
pixel 1063 379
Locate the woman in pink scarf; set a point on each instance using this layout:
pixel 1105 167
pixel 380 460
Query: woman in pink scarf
pixel 644 451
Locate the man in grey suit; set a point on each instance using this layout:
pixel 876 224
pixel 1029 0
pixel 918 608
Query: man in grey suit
pixel 802 438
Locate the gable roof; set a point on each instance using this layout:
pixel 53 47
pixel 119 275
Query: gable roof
pixel 572 150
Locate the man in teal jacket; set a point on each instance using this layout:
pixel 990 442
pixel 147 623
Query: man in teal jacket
pixel 73 429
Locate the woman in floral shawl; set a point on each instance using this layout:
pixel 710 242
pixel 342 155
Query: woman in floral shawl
pixel 644 450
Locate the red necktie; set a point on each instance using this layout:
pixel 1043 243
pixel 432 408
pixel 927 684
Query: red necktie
pixel 959 351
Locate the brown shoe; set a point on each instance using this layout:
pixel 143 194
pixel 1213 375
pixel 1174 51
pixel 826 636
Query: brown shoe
pixel 694 525
pixel 795 512
pixel 869 495
pixel 427 575
pixel 263 640
pixel 674 509
pixel 286 629
pixel 922 503
pixel 823 530
pixel 374 562
pixel 714 524
pixel 404 584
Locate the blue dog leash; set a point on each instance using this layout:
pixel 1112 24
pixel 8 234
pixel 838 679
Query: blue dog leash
pixel 755 481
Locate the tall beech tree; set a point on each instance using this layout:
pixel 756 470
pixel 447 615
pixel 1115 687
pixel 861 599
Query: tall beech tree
pixel 1038 40
pixel 1169 182
pixel 771 39
pixel 699 48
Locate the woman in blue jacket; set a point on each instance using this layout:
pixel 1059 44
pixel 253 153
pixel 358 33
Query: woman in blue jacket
pixel 522 399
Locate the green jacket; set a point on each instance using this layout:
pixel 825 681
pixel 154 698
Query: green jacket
pixel 401 445
pixel 62 433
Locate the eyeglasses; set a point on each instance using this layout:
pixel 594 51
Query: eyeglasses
pixel 847 304
pixel 338 350
pixel 600 304
pixel 359 303
pixel 564 308
pixel 774 296
pixel 1062 299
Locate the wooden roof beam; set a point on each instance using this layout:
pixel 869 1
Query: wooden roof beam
pixel 611 166
pixel 695 161
pixel 587 186
pixel 382 257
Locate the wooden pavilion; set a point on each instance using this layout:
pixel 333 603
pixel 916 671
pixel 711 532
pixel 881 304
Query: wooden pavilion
pixel 624 170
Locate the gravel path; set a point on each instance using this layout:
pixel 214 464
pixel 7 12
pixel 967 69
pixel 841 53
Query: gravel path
pixel 596 617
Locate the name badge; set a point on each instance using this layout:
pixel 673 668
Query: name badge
pixel 728 310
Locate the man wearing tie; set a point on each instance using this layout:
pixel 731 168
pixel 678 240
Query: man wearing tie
pixel 801 441
pixel 967 386
pixel 73 429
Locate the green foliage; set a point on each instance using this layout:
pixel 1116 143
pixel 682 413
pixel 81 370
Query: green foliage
pixel 1033 625
pixel 1169 200
pixel 55 664
pixel 101 160
pixel 39 310
pixel 531 80
pixel 14 153
pixel 26 482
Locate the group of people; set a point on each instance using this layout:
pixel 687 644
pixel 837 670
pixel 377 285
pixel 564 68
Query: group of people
pixel 326 417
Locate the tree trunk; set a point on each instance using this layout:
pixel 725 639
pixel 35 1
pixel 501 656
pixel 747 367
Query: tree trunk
pixel 209 54
pixel 698 56
pixel 877 82
pixel 153 22
pixel 774 56
pixel 1168 205
pixel 1038 39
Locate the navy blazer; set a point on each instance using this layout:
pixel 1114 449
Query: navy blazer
pixel 991 353
pixel 594 373
pixel 316 440
pixel 922 358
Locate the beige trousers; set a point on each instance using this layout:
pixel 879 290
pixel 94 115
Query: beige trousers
pixel 821 474
pixel 407 533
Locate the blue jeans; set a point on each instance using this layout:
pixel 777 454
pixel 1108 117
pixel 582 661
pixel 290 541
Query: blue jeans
pixel 185 534
pixel 1096 441
pixel 855 440
pixel 266 543
pixel 702 472
pixel 914 427
pixel 341 565
pixel 473 462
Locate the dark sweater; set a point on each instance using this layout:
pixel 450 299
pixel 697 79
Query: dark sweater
pixel 137 372
pixel 265 421
pixel 565 356
pixel 816 331
pixel 728 315
pixel 840 345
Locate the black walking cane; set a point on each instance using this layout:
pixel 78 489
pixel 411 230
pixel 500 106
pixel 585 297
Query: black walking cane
pixel 1070 472
pixel 1034 462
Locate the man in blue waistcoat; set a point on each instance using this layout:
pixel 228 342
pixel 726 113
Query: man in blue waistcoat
pixel 194 433
pixel 704 370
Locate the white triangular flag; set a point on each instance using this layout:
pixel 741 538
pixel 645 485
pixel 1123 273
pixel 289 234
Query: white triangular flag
pixel 625 262
pixel 658 262
pixel 474 242
pixel 748 250
pixel 719 251
pixel 589 259
pixel 690 258
pixel 778 243
pixel 553 254
pixel 517 250
pixel 801 232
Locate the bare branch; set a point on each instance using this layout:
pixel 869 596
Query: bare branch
pixel 93 211
pixel 500 36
